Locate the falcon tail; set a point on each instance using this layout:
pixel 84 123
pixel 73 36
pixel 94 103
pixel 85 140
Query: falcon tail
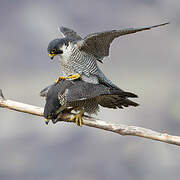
pixel 115 101
pixel 123 94
pixel 126 103
pixel 123 100
pixel 118 99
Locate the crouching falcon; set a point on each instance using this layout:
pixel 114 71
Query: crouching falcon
pixel 83 97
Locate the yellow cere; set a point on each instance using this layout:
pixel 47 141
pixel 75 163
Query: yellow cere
pixel 51 55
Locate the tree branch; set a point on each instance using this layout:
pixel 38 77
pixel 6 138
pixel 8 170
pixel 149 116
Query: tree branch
pixel 92 122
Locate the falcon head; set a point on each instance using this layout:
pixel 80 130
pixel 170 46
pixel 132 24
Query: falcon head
pixel 55 47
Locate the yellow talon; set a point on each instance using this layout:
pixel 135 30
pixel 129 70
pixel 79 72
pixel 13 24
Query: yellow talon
pixel 71 77
pixel 60 78
pixel 74 76
pixel 78 118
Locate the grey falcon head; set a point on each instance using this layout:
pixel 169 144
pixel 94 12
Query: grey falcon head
pixel 55 46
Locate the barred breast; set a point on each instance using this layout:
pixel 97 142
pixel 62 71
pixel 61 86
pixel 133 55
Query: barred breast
pixel 74 61
pixel 89 105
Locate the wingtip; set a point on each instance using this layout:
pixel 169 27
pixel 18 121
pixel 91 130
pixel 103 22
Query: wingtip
pixel 61 28
pixel 166 23
pixel 162 24
pixel 131 95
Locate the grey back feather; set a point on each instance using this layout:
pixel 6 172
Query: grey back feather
pixel 80 90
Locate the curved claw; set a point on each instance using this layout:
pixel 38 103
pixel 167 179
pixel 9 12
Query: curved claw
pixel 78 118
pixel 70 77
pixel 74 76
pixel 60 78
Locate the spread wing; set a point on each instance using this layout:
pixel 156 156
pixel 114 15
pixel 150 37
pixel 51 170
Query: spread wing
pixel 69 33
pixel 98 44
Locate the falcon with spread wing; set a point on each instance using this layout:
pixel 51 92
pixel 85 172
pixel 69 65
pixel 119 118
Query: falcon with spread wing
pixel 78 56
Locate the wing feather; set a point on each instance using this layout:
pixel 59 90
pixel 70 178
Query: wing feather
pixel 81 90
pixel 68 92
pixel 69 33
pixel 98 44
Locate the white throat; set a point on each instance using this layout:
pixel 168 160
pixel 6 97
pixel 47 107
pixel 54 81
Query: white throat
pixel 67 52
pixel 65 58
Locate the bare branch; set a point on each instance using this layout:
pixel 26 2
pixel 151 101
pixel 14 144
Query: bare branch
pixel 21 107
pixel 92 122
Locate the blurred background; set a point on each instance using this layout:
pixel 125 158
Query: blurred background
pixel 146 63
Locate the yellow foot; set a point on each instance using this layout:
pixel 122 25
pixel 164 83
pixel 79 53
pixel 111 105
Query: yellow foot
pixel 78 118
pixel 74 76
pixel 60 78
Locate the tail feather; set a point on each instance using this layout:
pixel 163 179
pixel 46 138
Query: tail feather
pixel 127 102
pixel 116 101
pixel 123 93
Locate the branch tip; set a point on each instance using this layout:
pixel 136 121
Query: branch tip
pixel 1 95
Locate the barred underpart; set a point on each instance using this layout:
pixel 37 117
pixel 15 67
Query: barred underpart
pixel 74 61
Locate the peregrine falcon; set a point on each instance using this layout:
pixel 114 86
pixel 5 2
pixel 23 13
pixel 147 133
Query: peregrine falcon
pixel 78 56
pixel 84 97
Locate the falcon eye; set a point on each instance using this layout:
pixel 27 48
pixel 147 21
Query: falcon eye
pixel 53 51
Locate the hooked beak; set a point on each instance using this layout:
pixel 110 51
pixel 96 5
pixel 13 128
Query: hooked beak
pixel 51 55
